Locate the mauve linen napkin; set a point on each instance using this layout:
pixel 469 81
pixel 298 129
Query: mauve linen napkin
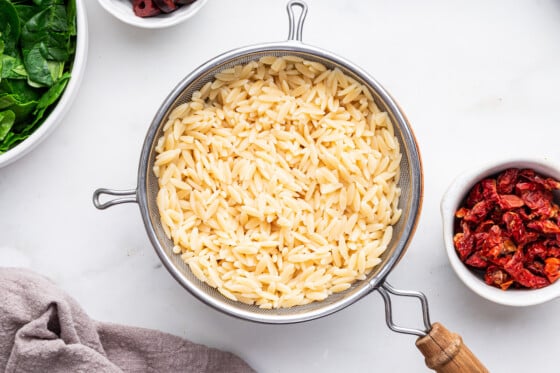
pixel 42 329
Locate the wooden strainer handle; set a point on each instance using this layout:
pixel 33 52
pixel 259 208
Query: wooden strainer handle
pixel 445 352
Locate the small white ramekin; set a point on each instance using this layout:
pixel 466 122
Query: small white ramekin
pixel 451 201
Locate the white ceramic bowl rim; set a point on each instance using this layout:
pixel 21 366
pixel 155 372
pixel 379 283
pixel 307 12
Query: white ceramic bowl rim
pixel 449 204
pixel 65 101
pixel 122 10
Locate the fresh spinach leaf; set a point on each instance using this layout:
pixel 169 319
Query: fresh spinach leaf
pixel 1 57
pixel 7 119
pixel 21 89
pixel 9 26
pixel 45 38
pixel 72 17
pixel 25 11
pixel 50 97
pixel 11 140
pixel 37 67
pixel 21 107
pixel 48 2
pixel 37 46
pixel 12 68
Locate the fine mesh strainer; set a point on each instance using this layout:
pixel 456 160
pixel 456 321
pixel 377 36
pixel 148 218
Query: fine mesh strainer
pixel 410 182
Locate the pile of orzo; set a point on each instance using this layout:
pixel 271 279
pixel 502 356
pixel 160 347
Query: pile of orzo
pixel 278 182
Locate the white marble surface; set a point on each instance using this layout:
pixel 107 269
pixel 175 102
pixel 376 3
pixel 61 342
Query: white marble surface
pixel 478 80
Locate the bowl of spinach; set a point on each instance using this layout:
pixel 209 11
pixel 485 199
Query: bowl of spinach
pixel 43 48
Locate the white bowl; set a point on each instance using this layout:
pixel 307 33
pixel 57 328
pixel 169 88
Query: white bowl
pixel 65 100
pixel 122 10
pixel 451 201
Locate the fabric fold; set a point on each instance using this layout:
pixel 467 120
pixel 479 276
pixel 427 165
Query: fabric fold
pixel 44 329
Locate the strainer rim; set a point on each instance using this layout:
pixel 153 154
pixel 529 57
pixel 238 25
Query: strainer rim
pixel 388 101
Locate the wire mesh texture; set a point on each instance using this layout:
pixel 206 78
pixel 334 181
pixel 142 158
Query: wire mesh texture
pixel 410 182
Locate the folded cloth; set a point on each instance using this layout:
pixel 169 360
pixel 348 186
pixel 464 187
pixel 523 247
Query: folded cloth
pixel 42 329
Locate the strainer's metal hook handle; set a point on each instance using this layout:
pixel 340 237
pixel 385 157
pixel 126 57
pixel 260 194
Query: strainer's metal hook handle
pixel 296 27
pixel 124 196
pixel 444 351
pixel 386 290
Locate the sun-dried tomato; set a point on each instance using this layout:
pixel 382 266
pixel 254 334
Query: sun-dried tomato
pixel 505 182
pixel 536 250
pixel 476 261
pixel 490 190
pixel 463 246
pixel 547 182
pixel 510 201
pixel 544 226
pixel 509 228
pixel 498 277
pixel 554 252
pixel 552 269
pixel 521 275
pixel 492 247
pixel 479 211
pixel 474 196
pixel 516 228
pixel 536 268
pixel 539 201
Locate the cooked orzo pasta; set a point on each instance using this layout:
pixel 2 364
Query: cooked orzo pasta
pixel 278 182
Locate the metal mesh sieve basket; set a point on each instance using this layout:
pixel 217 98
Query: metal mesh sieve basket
pixel 410 180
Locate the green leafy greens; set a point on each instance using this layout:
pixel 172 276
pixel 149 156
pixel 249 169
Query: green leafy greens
pixel 37 47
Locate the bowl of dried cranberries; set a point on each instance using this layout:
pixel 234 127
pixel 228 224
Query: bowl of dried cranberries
pixel 501 227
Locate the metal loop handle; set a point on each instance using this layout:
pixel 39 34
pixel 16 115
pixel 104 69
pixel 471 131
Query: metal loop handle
pixel 385 290
pixel 296 29
pixel 126 196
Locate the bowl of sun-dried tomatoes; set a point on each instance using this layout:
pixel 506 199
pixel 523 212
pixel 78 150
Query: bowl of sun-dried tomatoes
pixel 501 226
